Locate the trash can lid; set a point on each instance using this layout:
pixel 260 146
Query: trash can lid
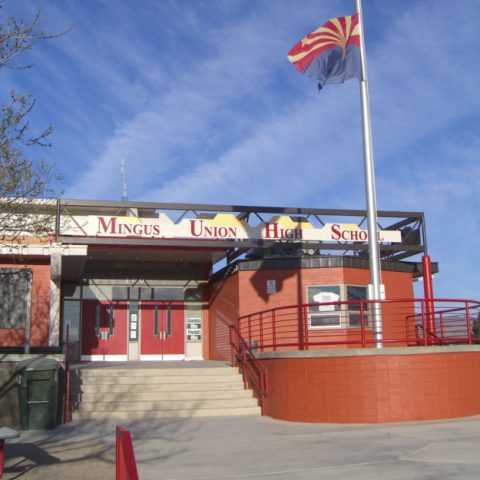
pixel 40 363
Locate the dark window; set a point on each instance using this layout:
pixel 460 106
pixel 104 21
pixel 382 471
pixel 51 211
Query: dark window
pixel 120 293
pixel 356 294
pixel 145 293
pixel 168 293
pixel 134 293
pixel 15 292
pixel 324 320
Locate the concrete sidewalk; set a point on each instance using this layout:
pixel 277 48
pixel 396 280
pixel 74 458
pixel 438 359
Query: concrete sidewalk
pixel 252 448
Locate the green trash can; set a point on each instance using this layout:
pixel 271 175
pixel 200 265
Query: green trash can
pixel 37 393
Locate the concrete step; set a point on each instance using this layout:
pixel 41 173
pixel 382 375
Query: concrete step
pixel 145 396
pixel 187 404
pixel 152 372
pixel 147 415
pixel 87 388
pixel 143 393
pixel 159 379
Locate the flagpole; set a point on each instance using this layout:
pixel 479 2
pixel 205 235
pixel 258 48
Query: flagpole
pixel 374 255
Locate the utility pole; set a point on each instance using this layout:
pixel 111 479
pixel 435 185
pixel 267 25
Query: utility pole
pixel 123 173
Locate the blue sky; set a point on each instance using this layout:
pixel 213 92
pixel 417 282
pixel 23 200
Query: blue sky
pixel 198 98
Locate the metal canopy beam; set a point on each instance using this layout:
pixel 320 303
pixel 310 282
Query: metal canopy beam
pixel 115 205
pixel 252 215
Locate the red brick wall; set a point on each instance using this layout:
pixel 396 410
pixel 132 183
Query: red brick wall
pixel 398 285
pixel 40 315
pixel 291 286
pixel 245 292
pixel 222 312
pixel 374 389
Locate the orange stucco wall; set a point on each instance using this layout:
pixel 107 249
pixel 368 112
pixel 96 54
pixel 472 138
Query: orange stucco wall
pixel 374 388
pixel 40 313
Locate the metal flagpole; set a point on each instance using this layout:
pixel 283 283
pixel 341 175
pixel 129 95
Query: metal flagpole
pixel 374 256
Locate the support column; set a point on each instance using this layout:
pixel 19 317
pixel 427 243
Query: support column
pixel 55 296
pixel 428 290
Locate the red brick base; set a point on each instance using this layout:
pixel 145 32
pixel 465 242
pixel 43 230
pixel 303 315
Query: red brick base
pixel 375 388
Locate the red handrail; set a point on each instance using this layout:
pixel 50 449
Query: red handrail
pixel 67 414
pixel 252 371
pixel 348 324
pixel 125 464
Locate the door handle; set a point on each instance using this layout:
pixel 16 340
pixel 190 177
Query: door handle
pixel 97 321
pixel 156 332
pixel 111 321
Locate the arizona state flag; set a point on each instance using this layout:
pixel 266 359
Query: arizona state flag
pixel 330 54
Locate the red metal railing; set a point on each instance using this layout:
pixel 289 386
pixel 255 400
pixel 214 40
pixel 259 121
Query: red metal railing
pixel 406 322
pixel 67 413
pixel 253 374
pixel 126 466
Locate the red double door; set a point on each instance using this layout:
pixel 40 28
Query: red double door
pixel 109 326
pixel 162 333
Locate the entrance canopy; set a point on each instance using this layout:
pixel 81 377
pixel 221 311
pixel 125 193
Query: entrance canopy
pixel 200 232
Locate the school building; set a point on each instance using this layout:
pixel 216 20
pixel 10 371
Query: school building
pixel 277 290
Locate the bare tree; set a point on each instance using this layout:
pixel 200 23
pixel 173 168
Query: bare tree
pixel 25 184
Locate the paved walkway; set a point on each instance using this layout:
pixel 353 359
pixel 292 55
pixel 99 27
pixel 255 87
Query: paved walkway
pixel 253 448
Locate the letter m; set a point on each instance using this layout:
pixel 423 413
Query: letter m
pixel 107 227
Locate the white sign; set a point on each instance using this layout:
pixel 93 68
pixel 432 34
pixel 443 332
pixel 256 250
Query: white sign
pixel 271 287
pixel 326 297
pixel 194 329
pixel 220 227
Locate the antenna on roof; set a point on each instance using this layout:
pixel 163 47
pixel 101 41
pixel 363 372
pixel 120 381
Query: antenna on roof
pixel 124 180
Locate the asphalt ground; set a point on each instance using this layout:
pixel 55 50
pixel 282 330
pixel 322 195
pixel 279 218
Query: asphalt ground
pixel 252 448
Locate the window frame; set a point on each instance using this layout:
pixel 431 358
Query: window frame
pixel 343 312
pixel 331 312
pixel 350 311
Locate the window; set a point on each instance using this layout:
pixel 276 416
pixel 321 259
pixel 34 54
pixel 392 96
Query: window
pixel 15 297
pixel 167 293
pixel 317 321
pixel 335 315
pixel 119 293
pixel 321 316
pixel 355 294
pixel 71 317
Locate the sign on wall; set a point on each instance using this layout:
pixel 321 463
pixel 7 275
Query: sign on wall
pixel 220 227
pixel 194 329
pixel 271 287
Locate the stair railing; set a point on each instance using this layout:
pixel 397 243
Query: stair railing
pixel 253 373
pixel 125 464
pixel 67 413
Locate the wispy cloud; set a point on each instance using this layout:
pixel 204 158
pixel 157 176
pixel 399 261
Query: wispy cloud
pixel 200 101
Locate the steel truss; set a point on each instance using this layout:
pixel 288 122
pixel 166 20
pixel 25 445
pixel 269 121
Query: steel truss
pixel 411 225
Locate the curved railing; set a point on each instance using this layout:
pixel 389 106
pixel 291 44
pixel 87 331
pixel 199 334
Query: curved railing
pixel 405 322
